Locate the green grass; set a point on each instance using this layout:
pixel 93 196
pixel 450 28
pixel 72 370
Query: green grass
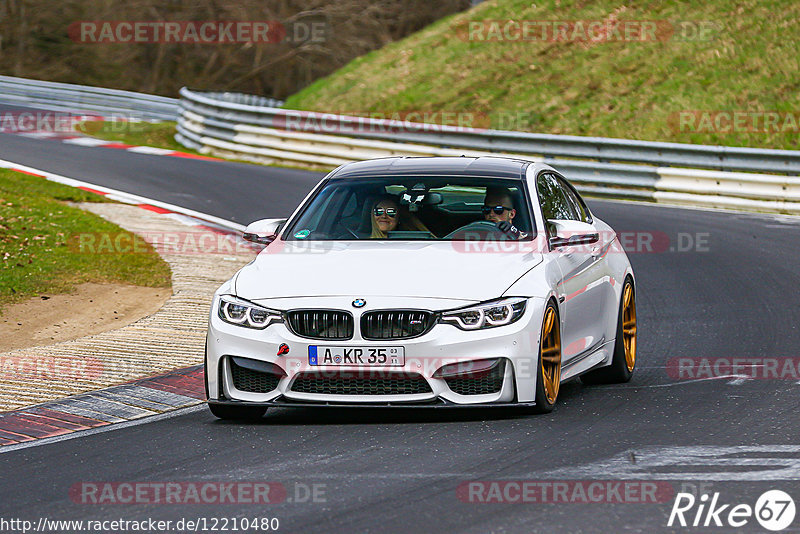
pixel 39 242
pixel 749 62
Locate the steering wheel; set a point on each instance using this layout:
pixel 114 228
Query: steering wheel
pixel 352 232
pixel 478 227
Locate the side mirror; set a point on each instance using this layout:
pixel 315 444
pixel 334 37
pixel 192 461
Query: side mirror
pixel 570 233
pixel 264 231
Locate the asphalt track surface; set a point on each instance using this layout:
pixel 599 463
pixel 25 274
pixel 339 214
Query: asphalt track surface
pixel 398 471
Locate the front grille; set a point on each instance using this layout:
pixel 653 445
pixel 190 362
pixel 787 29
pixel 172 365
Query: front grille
pixel 251 381
pixel 480 383
pixel 395 324
pixel 348 384
pixel 321 324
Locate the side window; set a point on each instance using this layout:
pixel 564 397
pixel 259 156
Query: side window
pixel 551 196
pixel 574 202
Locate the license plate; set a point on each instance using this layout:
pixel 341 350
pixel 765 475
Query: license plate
pixel 369 356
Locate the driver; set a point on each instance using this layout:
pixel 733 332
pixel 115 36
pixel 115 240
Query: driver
pixel 498 208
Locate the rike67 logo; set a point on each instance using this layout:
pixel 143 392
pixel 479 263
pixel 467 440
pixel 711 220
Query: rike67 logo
pixel 774 510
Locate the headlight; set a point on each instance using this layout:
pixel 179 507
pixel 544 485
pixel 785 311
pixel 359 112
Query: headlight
pixel 486 315
pixel 243 313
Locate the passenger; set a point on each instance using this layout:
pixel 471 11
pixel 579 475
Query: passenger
pixel 388 216
pixel 385 217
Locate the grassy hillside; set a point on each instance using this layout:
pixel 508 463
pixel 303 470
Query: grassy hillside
pixel 711 57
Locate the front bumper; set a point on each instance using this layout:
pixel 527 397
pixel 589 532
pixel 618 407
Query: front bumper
pixel 514 345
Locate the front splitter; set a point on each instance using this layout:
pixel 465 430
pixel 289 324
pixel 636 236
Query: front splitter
pixel 283 402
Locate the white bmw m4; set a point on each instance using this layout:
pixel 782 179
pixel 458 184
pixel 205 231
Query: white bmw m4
pixel 436 282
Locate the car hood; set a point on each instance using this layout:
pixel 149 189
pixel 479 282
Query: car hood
pixel 449 270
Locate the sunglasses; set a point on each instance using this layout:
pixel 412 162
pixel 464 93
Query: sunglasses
pixel 391 212
pixel 497 209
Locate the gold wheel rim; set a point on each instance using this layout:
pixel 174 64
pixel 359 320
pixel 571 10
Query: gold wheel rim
pixel 629 326
pixel 550 355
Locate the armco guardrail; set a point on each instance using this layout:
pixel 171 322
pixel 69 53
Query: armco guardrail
pixel 80 98
pixel 249 128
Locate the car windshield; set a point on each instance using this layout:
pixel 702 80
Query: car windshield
pixel 416 208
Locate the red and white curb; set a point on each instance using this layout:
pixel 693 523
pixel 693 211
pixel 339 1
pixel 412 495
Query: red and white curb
pixel 57 133
pixel 146 397
pixel 181 214
pixel 93 142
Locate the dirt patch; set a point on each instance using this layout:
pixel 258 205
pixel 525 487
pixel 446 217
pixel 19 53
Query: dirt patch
pixel 91 309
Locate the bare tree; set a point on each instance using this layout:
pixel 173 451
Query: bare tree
pixel 39 40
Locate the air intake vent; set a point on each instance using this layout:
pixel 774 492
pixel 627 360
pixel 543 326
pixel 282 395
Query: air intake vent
pixel 321 324
pixel 252 381
pixel 395 324
pixel 352 384
pixel 479 383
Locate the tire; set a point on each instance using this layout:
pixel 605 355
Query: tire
pixel 623 360
pixel 548 369
pixel 237 413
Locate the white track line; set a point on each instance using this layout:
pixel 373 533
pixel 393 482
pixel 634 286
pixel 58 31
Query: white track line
pixel 150 150
pixel 86 141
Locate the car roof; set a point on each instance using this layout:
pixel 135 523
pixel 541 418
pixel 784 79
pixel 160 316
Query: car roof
pixel 488 166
